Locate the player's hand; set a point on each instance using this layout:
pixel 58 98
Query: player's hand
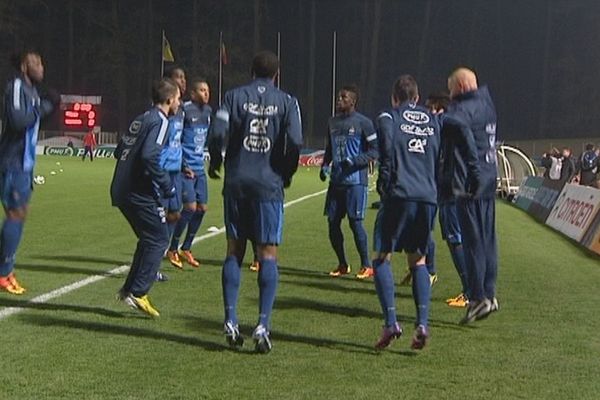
pixel 214 171
pixel 188 173
pixel 324 173
pixel 346 164
pixel 380 186
pixel 53 96
pixel 170 193
pixel 287 182
pixel 473 186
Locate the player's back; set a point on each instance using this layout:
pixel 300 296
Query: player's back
pixel 260 118
pixel 476 109
pixel 409 152
pixel 130 179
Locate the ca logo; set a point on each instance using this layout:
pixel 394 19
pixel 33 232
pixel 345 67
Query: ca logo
pixel 417 145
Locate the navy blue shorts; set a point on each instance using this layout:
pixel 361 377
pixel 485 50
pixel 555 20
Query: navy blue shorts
pixel 15 189
pixel 405 225
pixel 451 232
pixel 173 204
pixel 344 200
pixel 194 189
pixel 254 220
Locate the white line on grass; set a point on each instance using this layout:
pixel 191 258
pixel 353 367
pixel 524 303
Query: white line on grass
pixel 6 312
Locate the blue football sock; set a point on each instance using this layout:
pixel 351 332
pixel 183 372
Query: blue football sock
pixel 193 227
pixel 421 289
pixel 384 284
pixel 230 279
pixel 430 257
pixel 10 238
pixel 360 240
pixel 337 241
pixel 267 283
pixel 186 215
pixel 458 258
pixel 170 229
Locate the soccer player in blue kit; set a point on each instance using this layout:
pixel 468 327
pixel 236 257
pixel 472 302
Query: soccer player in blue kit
pixel 409 141
pixel 139 186
pixel 448 216
pixel 264 135
pixel 194 191
pixel 351 146
pixel 476 203
pixel 171 160
pixel 24 108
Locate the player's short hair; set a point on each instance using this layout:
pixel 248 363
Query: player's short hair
pixel 405 89
pixel 589 146
pixel 438 100
pixel 163 90
pixel 198 80
pixel 352 88
pixel 265 64
pixel 18 56
pixel 170 71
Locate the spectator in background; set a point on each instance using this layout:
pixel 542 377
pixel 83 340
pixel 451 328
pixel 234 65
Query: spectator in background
pixel 588 166
pixel 568 169
pixel 89 144
pixel 553 164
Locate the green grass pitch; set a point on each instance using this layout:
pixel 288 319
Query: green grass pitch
pixel 543 344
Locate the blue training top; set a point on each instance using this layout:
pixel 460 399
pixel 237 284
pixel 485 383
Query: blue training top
pixel 264 137
pixel 469 159
pixel 138 175
pixel 171 155
pixel 23 110
pixel 351 137
pixel 409 142
pixel 195 131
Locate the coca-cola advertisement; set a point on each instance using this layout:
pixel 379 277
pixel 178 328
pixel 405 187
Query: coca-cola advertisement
pixel 312 159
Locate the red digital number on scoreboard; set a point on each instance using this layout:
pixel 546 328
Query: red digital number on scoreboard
pixel 80 115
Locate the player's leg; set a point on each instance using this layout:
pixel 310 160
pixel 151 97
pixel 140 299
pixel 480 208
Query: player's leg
pixel 356 203
pixel 268 225
pixel 153 241
pixel 451 233
pixel 469 212
pixel 255 265
pixel 418 239
pixel 188 199
pixel 491 251
pixel 430 261
pixel 335 209
pixel 236 226
pixel 173 208
pixel 201 200
pixel 386 235
pixel 15 189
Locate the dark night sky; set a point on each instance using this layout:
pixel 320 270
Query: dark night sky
pixel 539 58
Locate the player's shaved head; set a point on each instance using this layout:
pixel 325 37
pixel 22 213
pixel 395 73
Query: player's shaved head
pixel 461 80
pixel 265 65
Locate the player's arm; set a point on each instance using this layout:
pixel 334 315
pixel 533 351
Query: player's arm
pixel 292 129
pixel 156 139
pixel 371 153
pixel 325 165
pixel 21 114
pixel 467 148
pixel 385 132
pixel 219 128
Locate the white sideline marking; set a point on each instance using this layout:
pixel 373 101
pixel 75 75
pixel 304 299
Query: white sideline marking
pixel 63 290
pixel 8 311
